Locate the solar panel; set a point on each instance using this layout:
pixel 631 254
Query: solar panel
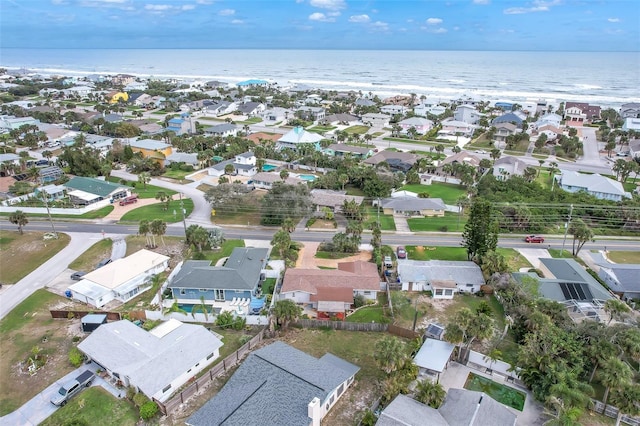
pixel 575 291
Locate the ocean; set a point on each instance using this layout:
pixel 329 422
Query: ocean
pixel 603 78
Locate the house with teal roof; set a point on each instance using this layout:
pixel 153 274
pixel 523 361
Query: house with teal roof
pixel 83 191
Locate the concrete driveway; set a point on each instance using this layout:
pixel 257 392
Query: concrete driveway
pixel 590 146
pixel 38 408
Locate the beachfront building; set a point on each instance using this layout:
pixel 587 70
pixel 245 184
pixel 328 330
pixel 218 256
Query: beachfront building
pixel 456 127
pixel 252 83
pixel 376 120
pixel 630 110
pixel 299 136
pixel 548 119
pixel 631 124
pixel 393 109
pixel 580 112
pixel 467 114
pixel 597 185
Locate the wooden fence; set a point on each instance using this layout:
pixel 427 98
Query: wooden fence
pixel 611 411
pixel 358 326
pixel 111 316
pixel 220 368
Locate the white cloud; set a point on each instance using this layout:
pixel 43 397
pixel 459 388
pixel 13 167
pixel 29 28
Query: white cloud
pixel 227 12
pixel 613 19
pixel 434 21
pixel 237 22
pixel 360 18
pixel 456 28
pixel 536 6
pixel 381 26
pixel 204 1
pixel 439 31
pixel 334 14
pixel 481 1
pixel 328 4
pixel 320 17
pixel 188 7
pixel 158 7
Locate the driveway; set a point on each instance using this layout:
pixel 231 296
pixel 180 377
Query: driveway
pixel 590 147
pixel 533 256
pixel 38 408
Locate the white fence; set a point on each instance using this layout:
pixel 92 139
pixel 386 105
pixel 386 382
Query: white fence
pixel 497 366
pixel 53 210
pixel 201 318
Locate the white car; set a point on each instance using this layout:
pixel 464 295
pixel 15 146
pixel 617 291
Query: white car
pixel 480 151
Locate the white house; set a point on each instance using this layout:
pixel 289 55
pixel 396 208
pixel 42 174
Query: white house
pixel 222 130
pixel 156 362
pixel 596 185
pixel 243 164
pixel 393 109
pixel 550 118
pixel 442 278
pixel 376 120
pixel 265 180
pixel 508 166
pixel 299 136
pixel 467 114
pixel 631 123
pixel 422 125
pixel 120 280
pixel 457 127
pixel 630 110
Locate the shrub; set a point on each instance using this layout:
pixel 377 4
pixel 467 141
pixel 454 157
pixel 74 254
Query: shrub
pixel 423 195
pixel 239 323
pixel 224 319
pixel 139 399
pixel 444 228
pixel 359 300
pixel 75 339
pixel 244 339
pixel 148 410
pixel 76 357
pixel 537 271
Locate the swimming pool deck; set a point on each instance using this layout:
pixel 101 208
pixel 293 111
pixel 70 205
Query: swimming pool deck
pixel 455 376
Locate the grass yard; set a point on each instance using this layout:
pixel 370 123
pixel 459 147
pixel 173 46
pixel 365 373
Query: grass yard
pixel 27 326
pixel 501 393
pixel 358 129
pixel 156 211
pixel 436 253
pixel 176 174
pixel 624 256
pixel 135 243
pixel 514 259
pixel 148 191
pixel 251 120
pixel 331 255
pixel 224 251
pixel 374 313
pixel 473 302
pixel 88 260
pixel 386 220
pixel 95 214
pixel 95 406
pixel 268 285
pixel 450 222
pixel 22 254
pixel 449 193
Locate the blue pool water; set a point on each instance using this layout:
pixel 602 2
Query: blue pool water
pixel 268 167
pixel 310 178
pixel 189 308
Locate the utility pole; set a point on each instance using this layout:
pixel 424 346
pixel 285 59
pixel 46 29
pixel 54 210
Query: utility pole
pixel 566 229
pixel 184 222
pixel 46 204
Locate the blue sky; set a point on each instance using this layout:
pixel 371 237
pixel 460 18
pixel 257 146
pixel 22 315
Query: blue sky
pixel 591 25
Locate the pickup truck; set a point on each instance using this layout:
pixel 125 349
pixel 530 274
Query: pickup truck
pixel 73 387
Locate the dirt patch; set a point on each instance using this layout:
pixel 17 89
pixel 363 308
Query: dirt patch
pixel 22 254
pixel 307 259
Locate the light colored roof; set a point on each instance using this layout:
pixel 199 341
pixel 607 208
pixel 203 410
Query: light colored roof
pixel 387 155
pixel 89 289
pixel 463 407
pixel 183 157
pixel 416 121
pixel 328 197
pixel 357 275
pixel 151 361
pixel 408 203
pixel 299 135
pixel 85 196
pixel 592 183
pixel 341 147
pixel 120 271
pixel 406 411
pixel 462 157
pixel 434 355
pixel 462 272
pixel 9 157
pixel 271 177
pixel 148 144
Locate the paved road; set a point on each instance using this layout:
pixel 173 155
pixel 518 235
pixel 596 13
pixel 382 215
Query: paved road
pixel 590 148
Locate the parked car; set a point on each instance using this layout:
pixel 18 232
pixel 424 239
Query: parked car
pixel 401 252
pixel 388 262
pixel 77 276
pixel 534 239
pixel 73 387
pixel 480 151
pixel 129 200
pixel 103 262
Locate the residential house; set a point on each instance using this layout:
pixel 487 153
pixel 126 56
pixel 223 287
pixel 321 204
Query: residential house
pixel 265 180
pixel 433 357
pixel 397 161
pixel 310 113
pixel 467 114
pixel 413 206
pixel 429 106
pixel 462 157
pixel 503 130
pixel 334 200
pixel 136 86
pixel 299 136
pixel 232 287
pixel 550 118
pixel 343 150
pixel 510 117
pixel 148 101
pixel 10 158
pixel 243 164
pixel 251 109
pixel 393 109
pixel 376 120
pixel 222 130
pixel 581 112
pixel 634 148
pixel 49 174
pixel 122 79
pixel 187 158
pixel 312 99
pixel 51 192
pixel 12 123
pixel 252 83
pixel 597 185
pixel 461 407
pixel 341 118
pixel 505 167
pixel 630 110
pixel 456 127
pixel 278 385
pixel 120 280
pixel 622 279
pixel 364 102
pixel 181 125
pixel 156 363
pixel 303 286
pixel 83 191
pixel 276 114
pixel 221 108
pixel 421 125
pixel 631 124
pixel 198 105
pixel 504 106
pixel 550 130
pixel 153 149
pixel 443 278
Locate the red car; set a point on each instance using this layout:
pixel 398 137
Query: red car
pixel 534 239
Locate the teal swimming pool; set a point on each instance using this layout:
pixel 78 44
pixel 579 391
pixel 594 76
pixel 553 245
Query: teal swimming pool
pixel 268 167
pixel 309 178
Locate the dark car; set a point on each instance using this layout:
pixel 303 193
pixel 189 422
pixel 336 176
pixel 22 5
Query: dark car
pixel 103 262
pixel 401 253
pixel 534 239
pixel 77 276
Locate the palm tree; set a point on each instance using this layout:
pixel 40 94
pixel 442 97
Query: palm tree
pixel 286 311
pixel 614 374
pixel 616 309
pixel 389 353
pixel 200 307
pixel 281 242
pixel 495 154
pixel 284 174
pixel 143 229
pixel 430 393
pixel 164 198
pixel 158 227
pixel 19 218
pixel 144 178
pixel 626 399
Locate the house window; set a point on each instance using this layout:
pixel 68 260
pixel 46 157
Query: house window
pixel 438 292
pixel 448 292
pixel 340 390
pixel 189 371
pixel 203 290
pixel 469 285
pixel 367 293
pixel 219 294
pixel 166 389
pixel 197 364
pixel 210 356
pixel 332 399
pixel 183 291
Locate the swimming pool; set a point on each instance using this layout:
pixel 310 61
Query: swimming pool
pixel 309 178
pixel 268 167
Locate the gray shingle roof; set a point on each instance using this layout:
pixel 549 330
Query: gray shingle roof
pixel 149 144
pixel 408 203
pixel 470 408
pixel 221 128
pixel 240 272
pixel 627 276
pixel 462 272
pixel 404 411
pixel 274 386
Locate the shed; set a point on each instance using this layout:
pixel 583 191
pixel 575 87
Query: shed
pixel 92 321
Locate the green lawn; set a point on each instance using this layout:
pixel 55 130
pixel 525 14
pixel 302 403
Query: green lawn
pixel 95 214
pixel 224 251
pixel 22 254
pixel 251 120
pixel 95 406
pixel 624 256
pixel 514 259
pixel 156 211
pixel 370 314
pixel 176 174
pixel 148 191
pixel 331 255
pixel 447 223
pixel 88 260
pixel 448 192
pixel 386 220
pixel 321 129
pixel 23 314
pixel 268 285
pixel 436 253
pixel 361 130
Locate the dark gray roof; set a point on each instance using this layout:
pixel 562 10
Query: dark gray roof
pixel 248 106
pixel 462 272
pixel 627 276
pixel 274 386
pixel 404 411
pixel 470 408
pixel 240 272
pixel 221 128
pixel 407 203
